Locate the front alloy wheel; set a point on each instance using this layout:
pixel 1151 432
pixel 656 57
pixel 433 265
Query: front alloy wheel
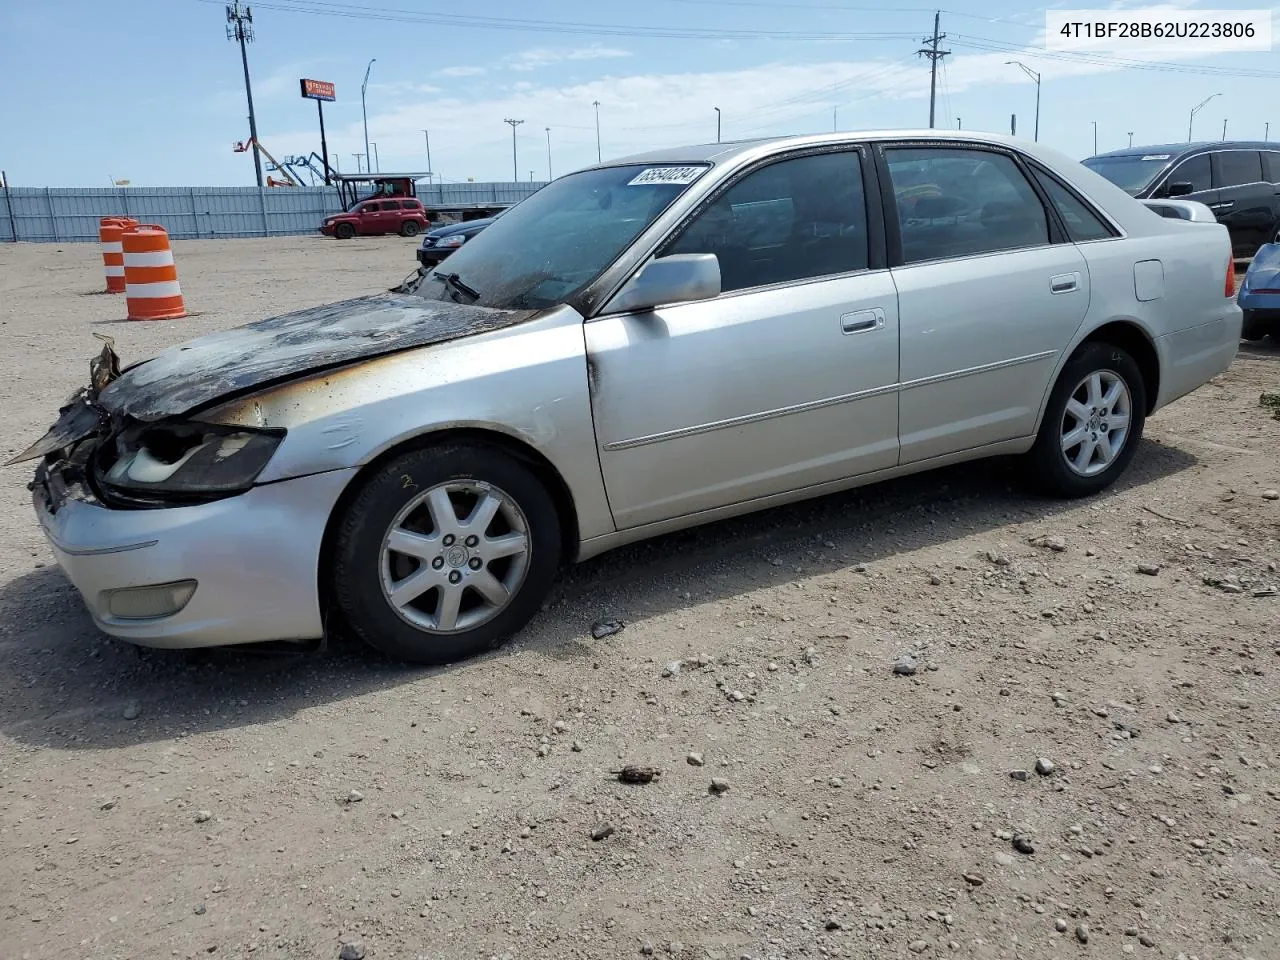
pixel 444 552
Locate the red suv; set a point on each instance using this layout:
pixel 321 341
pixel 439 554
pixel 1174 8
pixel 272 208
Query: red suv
pixel 387 215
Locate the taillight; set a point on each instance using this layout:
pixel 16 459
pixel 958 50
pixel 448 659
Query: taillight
pixel 1231 278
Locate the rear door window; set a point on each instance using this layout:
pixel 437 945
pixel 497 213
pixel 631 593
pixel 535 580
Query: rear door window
pixel 1238 167
pixel 959 203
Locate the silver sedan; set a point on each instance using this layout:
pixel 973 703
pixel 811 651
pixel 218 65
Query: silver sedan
pixel 641 346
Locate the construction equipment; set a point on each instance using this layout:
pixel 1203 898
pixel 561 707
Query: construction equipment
pixel 243 146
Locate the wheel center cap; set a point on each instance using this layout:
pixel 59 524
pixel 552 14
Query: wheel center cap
pixel 456 556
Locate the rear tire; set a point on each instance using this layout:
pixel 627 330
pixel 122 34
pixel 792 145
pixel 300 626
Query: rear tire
pixel 1092 423
pixel 410 228
pixel 444 553
pixel 1253 328
pixel 344 231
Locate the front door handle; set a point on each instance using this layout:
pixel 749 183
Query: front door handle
pixel 1064 283
pixel 862 321
pixel 1225 205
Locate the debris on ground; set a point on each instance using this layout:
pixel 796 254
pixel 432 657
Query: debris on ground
pixel 637 774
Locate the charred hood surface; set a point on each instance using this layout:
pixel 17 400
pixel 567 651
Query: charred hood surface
pixel 185 378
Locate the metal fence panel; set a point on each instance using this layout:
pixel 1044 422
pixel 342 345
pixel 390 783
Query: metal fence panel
pixel 70 214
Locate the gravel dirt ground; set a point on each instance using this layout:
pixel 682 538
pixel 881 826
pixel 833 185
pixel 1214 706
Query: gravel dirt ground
pixel 164 804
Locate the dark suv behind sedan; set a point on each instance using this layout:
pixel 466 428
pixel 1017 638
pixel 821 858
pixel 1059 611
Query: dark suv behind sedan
pixel 442 241
pixel 1238 180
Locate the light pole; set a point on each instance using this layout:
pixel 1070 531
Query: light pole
pixel 1224 129
pixel 548 154
pixel 1266 131
pixel 1195 110
pixel 1095 137
pixel 958 126
pixel 515 170
pixel 596 104
pixel 717 110
pixel 364 113
pixel 1036 77
pixel 430 174
pixel 376 167
pixel 1131 138
pixel 357 156
pixel 835 119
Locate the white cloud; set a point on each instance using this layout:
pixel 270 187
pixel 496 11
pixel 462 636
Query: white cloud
pixel 545 56
pixel 462 71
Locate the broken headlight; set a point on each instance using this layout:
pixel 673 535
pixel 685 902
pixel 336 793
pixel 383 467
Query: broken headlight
pixel 188 458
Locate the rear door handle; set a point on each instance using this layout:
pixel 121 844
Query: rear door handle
pixel 1064 283
pixel 862 320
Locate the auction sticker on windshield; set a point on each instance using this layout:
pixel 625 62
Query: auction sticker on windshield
pixel 683 176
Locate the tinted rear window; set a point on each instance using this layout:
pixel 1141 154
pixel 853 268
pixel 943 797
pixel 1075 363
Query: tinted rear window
pixel 1238 166
pixel 1271 166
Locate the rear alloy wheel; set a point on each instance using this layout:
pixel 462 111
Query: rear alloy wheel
pixel 444 553
pixel 409 228
pixel 1092 424
pixel 344 231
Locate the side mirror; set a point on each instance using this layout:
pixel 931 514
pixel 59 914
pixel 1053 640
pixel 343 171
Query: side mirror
pixel 674 279
pixel 1179 188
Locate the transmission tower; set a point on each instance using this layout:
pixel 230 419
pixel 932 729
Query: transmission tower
pixel 240 29
pixel 934 55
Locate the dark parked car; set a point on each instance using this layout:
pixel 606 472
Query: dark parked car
pixel 401 215
pixel 442 241
pixel 1238 180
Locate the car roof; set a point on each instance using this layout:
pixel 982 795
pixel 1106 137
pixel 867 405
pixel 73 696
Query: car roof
pixel 1179 149
pixel 720 153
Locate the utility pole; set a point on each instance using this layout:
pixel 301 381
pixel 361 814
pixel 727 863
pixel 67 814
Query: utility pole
pixel 515 170
pixel 934 55
pixel 363 112
pixel 430 170
pixel 240 29
pixel 835 119
pixel 376 167
pixel 548 154
pixel 958 125
pixel 1266 131
pixel 1013 124
pixel 596 104
pixel 1095 137
pixel 717 110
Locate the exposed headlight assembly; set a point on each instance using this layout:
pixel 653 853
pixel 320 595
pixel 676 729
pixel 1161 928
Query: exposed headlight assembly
pixel 193 459
pixel 454 240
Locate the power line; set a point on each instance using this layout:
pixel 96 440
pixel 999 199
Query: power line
pixel 350 11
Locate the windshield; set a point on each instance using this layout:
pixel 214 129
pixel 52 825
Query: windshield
pixel 1132 173
pixel 548 247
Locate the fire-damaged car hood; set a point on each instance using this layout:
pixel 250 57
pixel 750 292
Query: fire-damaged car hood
pixel 222 365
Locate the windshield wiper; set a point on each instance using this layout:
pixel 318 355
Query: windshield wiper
pixel 453 281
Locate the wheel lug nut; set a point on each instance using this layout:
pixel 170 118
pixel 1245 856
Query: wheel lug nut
pixel 476 563
pixel 472 540
pixel 449 539
pixel 437 563
pixel 454 576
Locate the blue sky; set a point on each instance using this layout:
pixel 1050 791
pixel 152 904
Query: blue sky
pixel 151 90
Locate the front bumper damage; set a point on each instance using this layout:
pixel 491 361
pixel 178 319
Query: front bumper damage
pixel 196 554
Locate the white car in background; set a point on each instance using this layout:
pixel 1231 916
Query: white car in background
pixel 639 347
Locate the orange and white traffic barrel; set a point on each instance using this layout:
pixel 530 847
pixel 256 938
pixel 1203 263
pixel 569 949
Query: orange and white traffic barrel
pixel 110 232
pixel 150 276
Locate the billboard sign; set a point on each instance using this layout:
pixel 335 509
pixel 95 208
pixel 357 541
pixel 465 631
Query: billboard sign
pixel 317 90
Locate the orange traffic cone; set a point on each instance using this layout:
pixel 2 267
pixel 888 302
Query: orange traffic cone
pixel 110 230
pixel 150 276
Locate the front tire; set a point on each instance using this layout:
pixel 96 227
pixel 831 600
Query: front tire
pixel 1092 423
pixel 409 228
pixel 344 231
pixel 444 553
